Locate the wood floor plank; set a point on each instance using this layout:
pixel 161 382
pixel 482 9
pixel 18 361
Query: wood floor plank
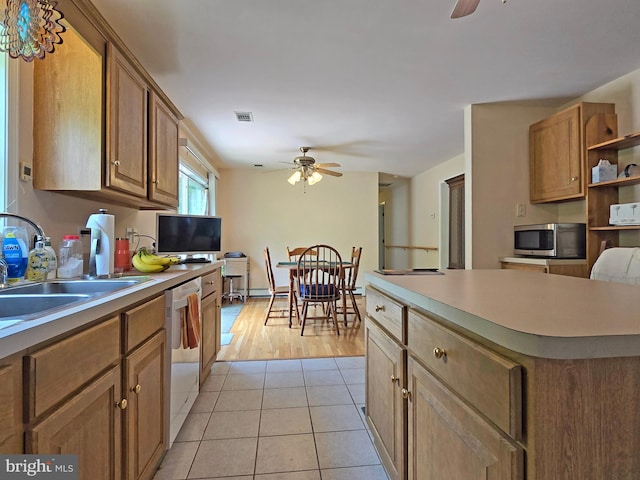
pixel 252 340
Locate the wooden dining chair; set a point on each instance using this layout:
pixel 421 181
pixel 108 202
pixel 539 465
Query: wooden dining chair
pixel 349 287
pixel 274 290
pixel 318 275
pixel 294 253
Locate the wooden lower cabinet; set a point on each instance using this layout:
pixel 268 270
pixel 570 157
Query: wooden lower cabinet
pixel 87 424
pixel 11 434
pixel 385 408
pixel 449 439
pixel 144 427
pixel 210 323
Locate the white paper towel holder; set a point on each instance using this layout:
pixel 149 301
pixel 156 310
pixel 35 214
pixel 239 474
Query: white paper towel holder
pixel 101 247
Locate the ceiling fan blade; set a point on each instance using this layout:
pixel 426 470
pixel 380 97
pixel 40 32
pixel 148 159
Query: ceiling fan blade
pixel 464 8
pixel 328 172
pixel 322 165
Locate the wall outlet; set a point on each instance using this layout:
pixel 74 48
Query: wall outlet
pixel 521 210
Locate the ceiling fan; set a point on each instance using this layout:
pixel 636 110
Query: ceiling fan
pixel 307 170
pixel 466 7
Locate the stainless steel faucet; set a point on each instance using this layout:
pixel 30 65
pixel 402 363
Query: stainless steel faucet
pixel 35 225
pixel 4 271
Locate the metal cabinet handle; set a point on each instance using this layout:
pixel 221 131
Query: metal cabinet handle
pixel 136 389
pixel 439 352
pixel 406 394
pixel 379 308
pixel 116 163
pixel 122 404
pixel 395 379
pixel 573 179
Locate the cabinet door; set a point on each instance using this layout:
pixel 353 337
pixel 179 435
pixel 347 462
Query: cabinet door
pixel 163 152
pixel 126 168
pixel 11 405
pixel 88 425
pixel 210 344
pixel 385 407
pixel 144 417
pixel 449 439
pixel 555 157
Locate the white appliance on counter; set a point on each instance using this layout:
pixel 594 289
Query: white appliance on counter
pixel 183 372
pixel 624 214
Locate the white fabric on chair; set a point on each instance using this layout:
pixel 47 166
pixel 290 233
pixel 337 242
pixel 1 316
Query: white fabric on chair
pixel 619 264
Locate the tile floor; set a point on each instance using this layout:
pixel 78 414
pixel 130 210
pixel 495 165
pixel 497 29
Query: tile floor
pixel 277 420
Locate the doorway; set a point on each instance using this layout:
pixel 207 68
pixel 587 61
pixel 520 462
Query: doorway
pixel 456 222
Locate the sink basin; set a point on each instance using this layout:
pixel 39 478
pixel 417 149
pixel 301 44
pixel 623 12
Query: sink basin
pixel 90 287
pixel 13 305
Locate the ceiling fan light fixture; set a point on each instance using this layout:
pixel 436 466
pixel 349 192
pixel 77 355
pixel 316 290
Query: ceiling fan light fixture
pixel 314 178
pixel 295 177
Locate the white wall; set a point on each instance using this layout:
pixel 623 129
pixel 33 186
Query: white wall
pixel 261 209
pixel 397 222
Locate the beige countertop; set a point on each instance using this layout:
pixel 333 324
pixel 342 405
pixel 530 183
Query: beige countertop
pixel 550 316
pixel 23 335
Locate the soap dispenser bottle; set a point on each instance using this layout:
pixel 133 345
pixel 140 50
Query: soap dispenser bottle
pixel 38 263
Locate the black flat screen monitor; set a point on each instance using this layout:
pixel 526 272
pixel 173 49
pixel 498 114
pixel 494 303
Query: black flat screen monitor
pixel 178 234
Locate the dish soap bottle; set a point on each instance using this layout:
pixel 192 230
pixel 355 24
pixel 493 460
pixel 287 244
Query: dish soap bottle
pixel 53 260
pixel 38 265
pixel 13 250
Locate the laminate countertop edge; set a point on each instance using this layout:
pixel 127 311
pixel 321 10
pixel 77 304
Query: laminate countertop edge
pixel 24 335
pixel 540 315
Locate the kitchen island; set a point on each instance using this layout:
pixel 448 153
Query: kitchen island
pixel 503 374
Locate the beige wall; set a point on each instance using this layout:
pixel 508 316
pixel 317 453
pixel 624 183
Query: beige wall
pixel 397 222
pixel 261 209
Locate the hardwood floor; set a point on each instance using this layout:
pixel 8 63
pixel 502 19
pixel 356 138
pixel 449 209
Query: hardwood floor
pixel 252 340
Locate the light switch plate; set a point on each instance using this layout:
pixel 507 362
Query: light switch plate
pixel 25 171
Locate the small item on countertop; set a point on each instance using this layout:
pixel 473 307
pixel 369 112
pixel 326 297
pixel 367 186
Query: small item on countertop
pixel 53 259
pixel 38 264
pixel 122 258
pixel 15 255
pixel 147 262
pixel 70 261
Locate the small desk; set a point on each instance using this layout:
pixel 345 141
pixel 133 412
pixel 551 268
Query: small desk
pixel 293 266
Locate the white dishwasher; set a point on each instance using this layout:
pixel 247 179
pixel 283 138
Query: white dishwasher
pixel 183 371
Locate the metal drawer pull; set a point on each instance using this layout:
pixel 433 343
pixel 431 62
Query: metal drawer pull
pixel 394 379
pixel 122 404
pixel 136 389
pixel 439 352
pixel 406 394
pixel 379 308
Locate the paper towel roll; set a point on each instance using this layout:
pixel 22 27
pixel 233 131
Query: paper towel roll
pixel 106 224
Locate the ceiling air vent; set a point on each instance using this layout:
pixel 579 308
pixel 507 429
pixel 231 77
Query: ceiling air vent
pixel 244 116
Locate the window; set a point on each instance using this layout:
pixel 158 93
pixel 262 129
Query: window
pixel 3 131
pixel 193 192
pixel 8 132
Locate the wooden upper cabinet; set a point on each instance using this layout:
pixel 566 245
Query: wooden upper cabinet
pixel 557 153
pixel 163 152
pixel 127 95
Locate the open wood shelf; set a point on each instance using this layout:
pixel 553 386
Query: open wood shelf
pixel 615 227
pixel 620 143
pixel 618 182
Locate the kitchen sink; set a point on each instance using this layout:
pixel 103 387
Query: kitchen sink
pixel 13 305
pixel 33 300
pixel 89 287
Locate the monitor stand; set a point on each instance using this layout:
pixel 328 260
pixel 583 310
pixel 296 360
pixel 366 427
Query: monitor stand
pixel 192 259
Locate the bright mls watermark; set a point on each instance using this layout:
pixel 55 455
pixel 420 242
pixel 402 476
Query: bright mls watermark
pixel 49 467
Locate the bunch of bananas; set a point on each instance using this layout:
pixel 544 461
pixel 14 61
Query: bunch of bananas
pixel 147 262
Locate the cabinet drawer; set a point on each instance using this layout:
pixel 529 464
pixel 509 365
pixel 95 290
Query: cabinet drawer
pixel 489 382
pixel 211 283
pixel 143 321
pixel 56 371
pixel 388 313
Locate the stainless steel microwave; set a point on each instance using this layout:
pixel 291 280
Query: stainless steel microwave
pixel 550 240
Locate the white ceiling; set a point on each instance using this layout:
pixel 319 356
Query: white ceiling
pixel 375 85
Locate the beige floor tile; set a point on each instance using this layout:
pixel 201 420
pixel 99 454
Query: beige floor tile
pixel 370 472
pixel 283 379
pixel 329 395
pixel 350 362
pixel 357 392
pixel 353 375
pixel 224 458
pixel 284 398
pixel 213 383
pixel 319 364
pixel 306 475
pixel 244 381
pixel 284 366
pixel 333 418
pixel 315 378
pixel 238 424
pixel 251 366
pixel 286 453
pixel 220 368
pixel 232 400
pixel 285 421
pixel 345 449
pixel 205 402
pixel 177 461
pixel 193 427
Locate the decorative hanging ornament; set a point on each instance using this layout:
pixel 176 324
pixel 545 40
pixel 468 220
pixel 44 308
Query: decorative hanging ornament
pixel 30 28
